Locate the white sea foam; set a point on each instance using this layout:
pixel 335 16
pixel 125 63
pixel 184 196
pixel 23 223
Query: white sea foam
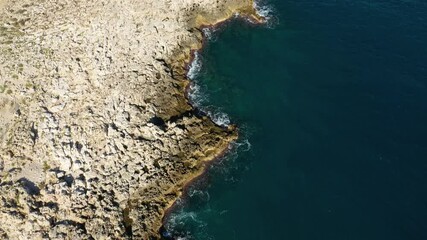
pixel 263 10
pixel 199 194
pixel 196 95
pixel 219 118
pixel 208 32
pixel 225 168
pixel 244 145
pixel 181 219
pixel 195 66
pixel 199 97
pixel 266 11
pixel 227 165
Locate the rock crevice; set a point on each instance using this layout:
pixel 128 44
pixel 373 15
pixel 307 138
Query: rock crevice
pixel 97 138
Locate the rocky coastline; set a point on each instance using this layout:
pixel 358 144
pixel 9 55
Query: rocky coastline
pixel 97 138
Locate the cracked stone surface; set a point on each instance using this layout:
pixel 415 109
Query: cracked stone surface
pixel 97 138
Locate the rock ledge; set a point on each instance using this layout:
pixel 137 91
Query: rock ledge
pixel 97 138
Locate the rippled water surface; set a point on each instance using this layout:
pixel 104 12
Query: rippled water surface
pixel 331 101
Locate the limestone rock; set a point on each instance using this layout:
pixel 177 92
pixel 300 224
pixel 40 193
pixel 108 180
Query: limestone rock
pixel 97 138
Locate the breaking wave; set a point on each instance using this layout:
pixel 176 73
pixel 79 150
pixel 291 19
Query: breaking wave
pixel 209 33
pixel 196 95
pixel 185 221
pixel 178 221
pixel 199 97
pixel 195 66
pixel 219 118
pixel 266 11
pixel 188 221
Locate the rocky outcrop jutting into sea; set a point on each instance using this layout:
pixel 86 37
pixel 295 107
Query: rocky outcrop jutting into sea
pixel 97 138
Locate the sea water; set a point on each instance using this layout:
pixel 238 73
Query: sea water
pixel 331 102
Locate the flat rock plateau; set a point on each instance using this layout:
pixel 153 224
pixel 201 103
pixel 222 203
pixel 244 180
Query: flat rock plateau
pixel 97 138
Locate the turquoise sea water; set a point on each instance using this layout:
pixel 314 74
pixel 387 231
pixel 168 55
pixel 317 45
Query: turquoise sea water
pixel 331 102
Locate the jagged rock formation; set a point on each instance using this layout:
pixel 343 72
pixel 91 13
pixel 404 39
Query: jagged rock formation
pixel 97 138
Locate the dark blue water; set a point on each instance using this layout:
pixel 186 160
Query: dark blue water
pixel 333 101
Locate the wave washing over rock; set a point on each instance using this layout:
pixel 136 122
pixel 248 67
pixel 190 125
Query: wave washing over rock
pixel 97 139
pixel 197 94
pixel 181 218
pixel 266 11
pixel 195 66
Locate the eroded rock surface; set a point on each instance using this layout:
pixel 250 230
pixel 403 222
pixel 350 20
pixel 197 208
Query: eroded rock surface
pixel 97 138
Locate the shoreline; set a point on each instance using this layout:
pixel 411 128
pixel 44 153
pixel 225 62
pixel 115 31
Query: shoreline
pixel 190 182
pixel 102 120
pixel 251 19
